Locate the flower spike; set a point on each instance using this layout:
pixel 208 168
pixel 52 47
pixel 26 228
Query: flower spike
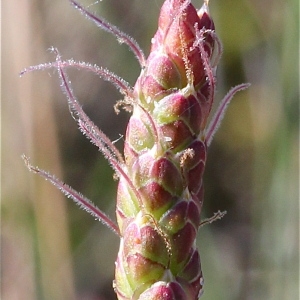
pixel 160 192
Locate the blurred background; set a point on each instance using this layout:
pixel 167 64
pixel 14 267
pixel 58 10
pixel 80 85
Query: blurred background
pixel 50 249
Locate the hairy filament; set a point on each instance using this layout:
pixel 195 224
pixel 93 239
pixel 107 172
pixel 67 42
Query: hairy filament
pixel 217 216
pixel 206 64
pixel 219 115
pixel 123 86
pixel 121 36
pixel 90 133
pixel 96 136
pixel 78 198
